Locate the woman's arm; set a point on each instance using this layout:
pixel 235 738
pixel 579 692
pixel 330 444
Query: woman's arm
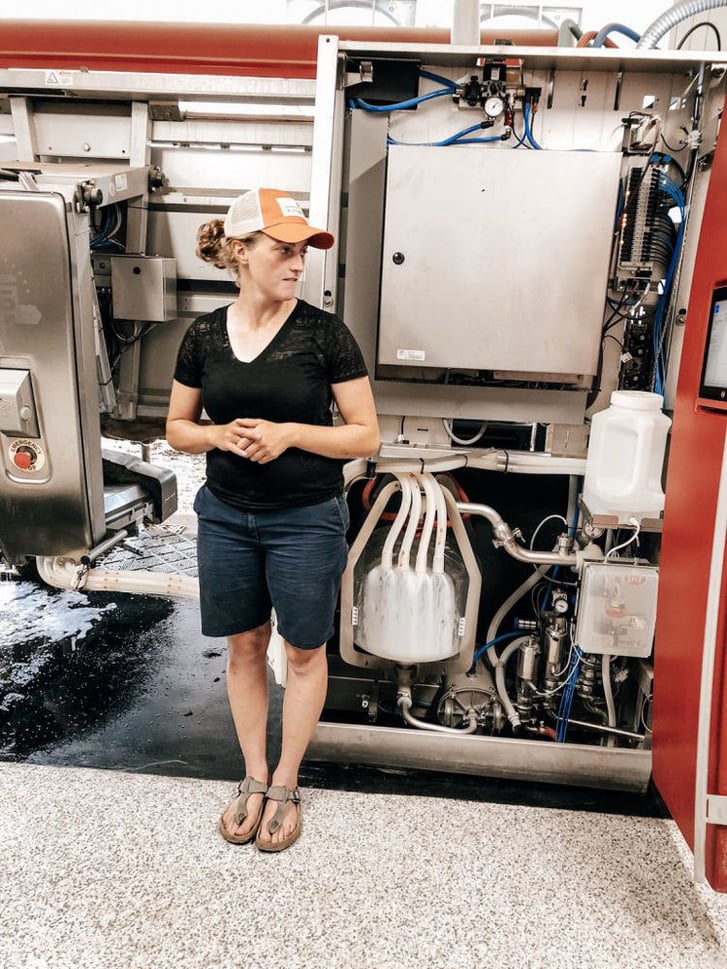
pixel 357 437
pixel 185 433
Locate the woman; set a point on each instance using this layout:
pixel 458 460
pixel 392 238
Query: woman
pixel 272 515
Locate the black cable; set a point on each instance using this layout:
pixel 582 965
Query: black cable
pixel 645 317
pixel 703 23
pixel 615 318
pixel 674 150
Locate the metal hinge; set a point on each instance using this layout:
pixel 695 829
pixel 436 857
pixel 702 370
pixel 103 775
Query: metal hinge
pixel 354 615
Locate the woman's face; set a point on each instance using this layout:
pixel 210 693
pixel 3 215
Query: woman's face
pixel 273 267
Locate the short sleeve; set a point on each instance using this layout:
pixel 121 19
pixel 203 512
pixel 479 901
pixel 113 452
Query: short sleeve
pixel 345 360
pixel 188 370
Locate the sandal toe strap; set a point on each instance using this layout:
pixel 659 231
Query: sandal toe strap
pixel 284 795
pixel 245 788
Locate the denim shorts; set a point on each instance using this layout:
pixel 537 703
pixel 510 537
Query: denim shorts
pixel 289 559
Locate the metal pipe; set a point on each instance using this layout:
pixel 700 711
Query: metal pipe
pixel 604 729
pixel 670 18
pixel 505 537
pixel 404 702
pixel 108 543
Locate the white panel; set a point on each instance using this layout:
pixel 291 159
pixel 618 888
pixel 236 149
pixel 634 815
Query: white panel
pixel 505 258
pixel 219 132
pixel 234 170
pixel 8 150
pixel 95 135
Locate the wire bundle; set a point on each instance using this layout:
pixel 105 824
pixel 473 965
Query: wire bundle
pixel 673 193
pixel 566 700
pixel 527 137
pixel 111 224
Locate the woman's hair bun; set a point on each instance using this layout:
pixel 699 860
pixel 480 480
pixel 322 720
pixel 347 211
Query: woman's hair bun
pixel 212 243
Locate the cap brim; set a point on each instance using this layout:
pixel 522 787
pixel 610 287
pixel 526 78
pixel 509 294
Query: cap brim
pixel 299 232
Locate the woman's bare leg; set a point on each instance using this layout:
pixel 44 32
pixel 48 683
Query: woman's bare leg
pixel 305 693
pixel 247 689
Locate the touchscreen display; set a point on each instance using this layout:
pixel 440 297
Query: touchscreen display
pixel 714 372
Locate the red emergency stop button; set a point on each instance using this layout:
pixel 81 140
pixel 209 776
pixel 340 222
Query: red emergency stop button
pixel 24 458
pixel 26 455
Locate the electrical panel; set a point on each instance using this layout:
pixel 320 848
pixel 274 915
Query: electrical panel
pixel 514 249
pixel 144 288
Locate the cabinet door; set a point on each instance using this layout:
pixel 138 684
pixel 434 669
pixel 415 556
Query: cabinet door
pixel 690 720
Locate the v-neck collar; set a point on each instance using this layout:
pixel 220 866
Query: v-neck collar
pixel 268 346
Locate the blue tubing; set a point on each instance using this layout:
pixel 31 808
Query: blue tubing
pixel 600 38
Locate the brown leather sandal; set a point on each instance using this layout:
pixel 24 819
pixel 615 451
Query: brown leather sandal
pixel 245 788
pixel 284 795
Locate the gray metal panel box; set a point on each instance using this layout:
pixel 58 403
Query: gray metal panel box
pixel 17 410
pixel 144 288
pixel 496 259
pixel 51 482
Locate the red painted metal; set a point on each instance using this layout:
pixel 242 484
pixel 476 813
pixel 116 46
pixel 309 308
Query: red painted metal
pixel 230 49
pixel 692 482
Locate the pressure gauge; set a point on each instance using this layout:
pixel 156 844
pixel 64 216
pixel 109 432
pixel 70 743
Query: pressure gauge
pixel 493 107
pixel 560 604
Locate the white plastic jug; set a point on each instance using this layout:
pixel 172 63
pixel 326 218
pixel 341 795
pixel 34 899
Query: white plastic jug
pixel 626 457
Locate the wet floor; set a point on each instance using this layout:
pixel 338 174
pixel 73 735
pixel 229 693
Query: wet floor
pixel 128 683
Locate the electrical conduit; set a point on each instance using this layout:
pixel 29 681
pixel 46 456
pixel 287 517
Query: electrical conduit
pixel 670 18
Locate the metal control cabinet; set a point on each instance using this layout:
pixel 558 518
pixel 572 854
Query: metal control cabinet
pixel 514 248
pixel 144 288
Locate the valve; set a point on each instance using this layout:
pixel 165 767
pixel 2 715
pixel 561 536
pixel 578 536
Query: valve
pixel 157 179
pixel 87 196
pixel 471 92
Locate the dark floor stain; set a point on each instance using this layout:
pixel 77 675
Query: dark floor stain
pixel 144 691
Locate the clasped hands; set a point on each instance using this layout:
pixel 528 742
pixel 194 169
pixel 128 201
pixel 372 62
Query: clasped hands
pixel 253 438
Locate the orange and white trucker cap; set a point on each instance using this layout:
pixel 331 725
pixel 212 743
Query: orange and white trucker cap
pixel 271 211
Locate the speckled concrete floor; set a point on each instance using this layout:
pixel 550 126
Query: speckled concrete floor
pixel 110 870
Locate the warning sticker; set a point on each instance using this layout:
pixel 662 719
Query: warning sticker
pixel 411 355
pixel 59 78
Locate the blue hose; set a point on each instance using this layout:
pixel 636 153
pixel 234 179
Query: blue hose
pixel 599 39
pixel 497 639
pixel 452 85
pixel 412 102
pixel 566 699
pixel 528 129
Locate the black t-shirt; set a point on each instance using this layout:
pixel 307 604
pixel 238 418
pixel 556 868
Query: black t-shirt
pixel 290 380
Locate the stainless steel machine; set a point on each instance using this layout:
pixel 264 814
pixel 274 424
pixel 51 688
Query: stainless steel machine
pixel 516 229
pixel 60 494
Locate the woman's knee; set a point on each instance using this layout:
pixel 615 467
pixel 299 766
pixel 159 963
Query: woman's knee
pixel 303 661
pixel 248 647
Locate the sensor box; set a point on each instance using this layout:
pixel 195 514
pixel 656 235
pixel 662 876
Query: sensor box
pixel 617 609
